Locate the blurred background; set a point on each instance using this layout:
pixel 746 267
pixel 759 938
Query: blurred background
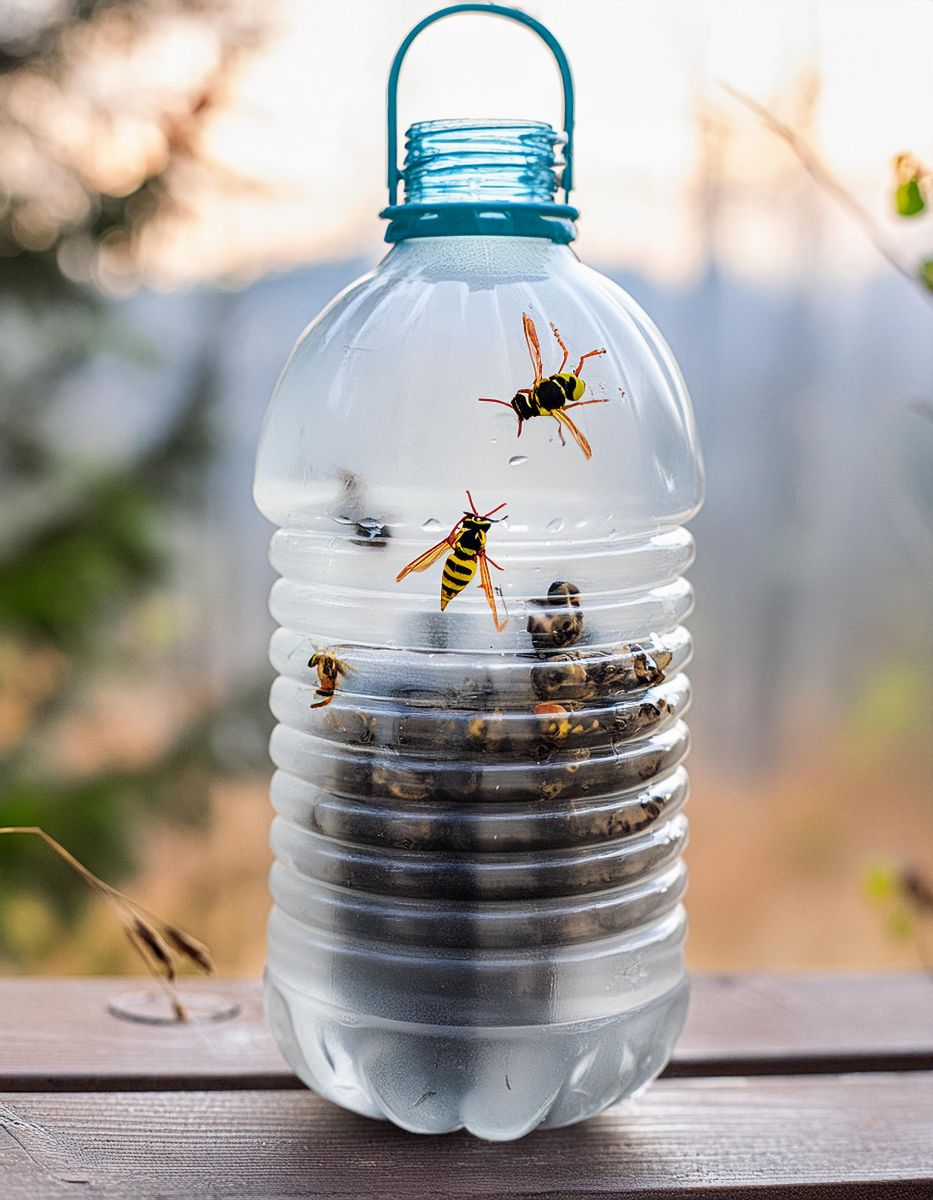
pixel 184 184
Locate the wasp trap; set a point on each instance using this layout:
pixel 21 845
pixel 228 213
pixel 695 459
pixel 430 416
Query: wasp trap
pixel 480 458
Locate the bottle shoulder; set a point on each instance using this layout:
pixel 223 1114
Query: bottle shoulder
pixel 386 384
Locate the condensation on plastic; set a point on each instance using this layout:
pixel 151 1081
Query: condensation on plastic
pixel 476 924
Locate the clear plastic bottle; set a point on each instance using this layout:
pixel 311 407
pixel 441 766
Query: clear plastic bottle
pixel 478 874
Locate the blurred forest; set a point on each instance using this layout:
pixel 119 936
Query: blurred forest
pixel 133 576
pixel 87 544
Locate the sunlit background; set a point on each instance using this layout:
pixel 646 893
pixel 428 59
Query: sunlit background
pixel 184 185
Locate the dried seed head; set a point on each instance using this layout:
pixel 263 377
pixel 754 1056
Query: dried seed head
pixel 190 948
pixel 153 946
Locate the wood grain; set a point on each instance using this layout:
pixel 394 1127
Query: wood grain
pixel 59 1034
pixel 862 1137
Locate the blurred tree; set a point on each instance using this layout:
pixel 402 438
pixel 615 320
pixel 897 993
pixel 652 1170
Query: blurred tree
pixel 912 192
pixel 100 140
pixel 903 893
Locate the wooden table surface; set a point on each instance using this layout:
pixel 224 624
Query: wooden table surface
pixel 782 1086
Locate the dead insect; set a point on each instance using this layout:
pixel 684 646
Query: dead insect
pixel 465 547
pixel 560 621
pixel 649 669
pixel 556 721
pixel 551 395
pixel 329 668
pixel 560 677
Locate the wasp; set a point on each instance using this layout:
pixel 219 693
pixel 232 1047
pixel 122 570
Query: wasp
pixel 551 395
pixel 329 669
pixel 560 623
pixel 465 547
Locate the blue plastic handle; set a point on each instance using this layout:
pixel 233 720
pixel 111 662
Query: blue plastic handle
pixel 498 10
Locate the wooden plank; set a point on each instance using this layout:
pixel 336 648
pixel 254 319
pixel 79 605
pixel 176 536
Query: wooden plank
pixel 769 1023
pixel 59 1034
pixel 862 1137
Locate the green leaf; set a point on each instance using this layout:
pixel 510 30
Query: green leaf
pixel 926 273
pixel 908 198
pixel 900 926
pixel 880 882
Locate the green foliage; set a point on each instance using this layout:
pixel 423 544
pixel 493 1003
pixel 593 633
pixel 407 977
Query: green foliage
pixel 883 886
pixel 69 580
pixel 913 188
pixel 908 198
pixel 73 574
pixel 881 883
pixel 97 816
pixel 892 704
pixel 903 897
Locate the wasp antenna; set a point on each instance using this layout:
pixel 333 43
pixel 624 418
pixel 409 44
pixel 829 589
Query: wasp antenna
pixel 489 400
pixel 492 510
pixel 472 503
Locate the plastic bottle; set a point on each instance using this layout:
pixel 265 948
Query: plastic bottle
pixel 478 874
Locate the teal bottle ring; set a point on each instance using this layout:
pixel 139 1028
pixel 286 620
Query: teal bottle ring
pixel 468 218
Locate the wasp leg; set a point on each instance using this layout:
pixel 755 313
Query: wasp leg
pixel 563 346
pixel 328 695
pixel 580 403
pixel 584 357
pixel 493 563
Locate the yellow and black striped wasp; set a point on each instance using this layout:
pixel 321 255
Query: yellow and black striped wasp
pixel 465 546
pixel 329 669
pixel 551 395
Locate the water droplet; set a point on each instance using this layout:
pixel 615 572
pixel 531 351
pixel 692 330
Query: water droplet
pixel 517 459
pixel 431 523
pixel 341 519
pixel 556 525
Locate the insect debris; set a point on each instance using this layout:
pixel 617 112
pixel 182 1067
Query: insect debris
pixel 559 623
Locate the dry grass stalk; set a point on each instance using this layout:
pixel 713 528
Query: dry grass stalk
pixel 820 173
pixel 155 941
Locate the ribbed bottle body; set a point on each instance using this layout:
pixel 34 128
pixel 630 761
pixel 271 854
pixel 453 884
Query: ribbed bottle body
pixel 478 881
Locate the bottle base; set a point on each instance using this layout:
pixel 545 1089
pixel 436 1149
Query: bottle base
pixel 498 1083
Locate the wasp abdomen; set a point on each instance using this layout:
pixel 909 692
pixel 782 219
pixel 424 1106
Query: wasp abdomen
pixel 549 394
pixel 460 566
pixel 459 569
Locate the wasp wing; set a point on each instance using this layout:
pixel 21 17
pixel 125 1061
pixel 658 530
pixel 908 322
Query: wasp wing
pixel 486 584
pixel 423 561
pixel 562 419
pixel 534 346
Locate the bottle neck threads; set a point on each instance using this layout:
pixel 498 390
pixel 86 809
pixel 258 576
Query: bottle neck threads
pixel 481 160
pixel 476 177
